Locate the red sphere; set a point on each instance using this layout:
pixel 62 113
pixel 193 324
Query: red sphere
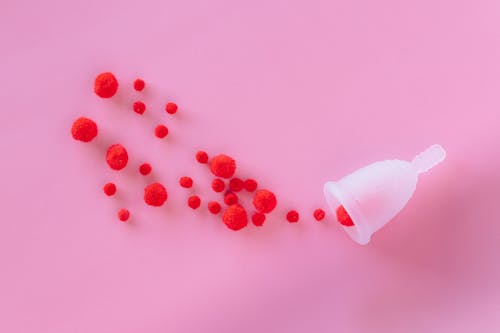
pixel 139 107
pixel 214 207
pixel 258 219
pixel 264 201
pixel 202 157
pixel 250 185
pixel 319 214
pixel 84 129
pixel 155 194
pixel 123 215
pixel 105 85
pixel 186 182
pixel 236 184
pixel 161 131
pixel 194 201
pixel 230 199
pixel 235 217
pixel 223 166
pixel 139 84
pixel 171 108
pixel 218 185
pixel 343 217
pixel 145 169
pixel 292 216
pixel 109 189
pixel 117 157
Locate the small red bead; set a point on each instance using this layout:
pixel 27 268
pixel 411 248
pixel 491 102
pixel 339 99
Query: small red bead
pixel 145 169
pixel 123 215
pixel 343 217
pixel 214 207
pixel 139 107
pixel 223 166
pixel 319 214
pixel 171 108
pixel 236 184
pixel 264 201
pixel 139 84
pixel 250 185
pixel 161 131
pixel 202 157
pixel 155 194
pixel 235 217
pixel 105 85
pixel 292 216
pixel 109 189
pixel 258 219
pixel 230 199
pixel 84 129
pixel 194 201
pixel 218 185
pixel 186 182
pixel 117 157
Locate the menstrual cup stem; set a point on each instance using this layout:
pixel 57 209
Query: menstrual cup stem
pixel 429 158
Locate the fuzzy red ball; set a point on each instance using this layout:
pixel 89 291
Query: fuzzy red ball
pixel 319 214
pixel 214 207
pixel 171 108
pixel 264 201
pixel 109 189
pixel 117 157
pixel 155 194
pixel 235 217
pixel 123 215
pixel 84 129
pixel 194 201
pixel 139 84
pixel 202 157
pixel 105 85
pixel 258 219
pixel 343 217
pixel 292 216
pixel 223 166
pixel 139 107
pixel 250 185
pixel 186 182
pixel 236 184
pixel 161 131
pixel 145 169
pixel 218 185
pixel 230 199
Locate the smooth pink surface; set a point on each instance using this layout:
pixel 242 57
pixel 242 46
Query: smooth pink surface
pixel 300 93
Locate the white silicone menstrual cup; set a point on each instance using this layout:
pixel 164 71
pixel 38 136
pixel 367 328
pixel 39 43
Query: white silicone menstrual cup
pixel 373 195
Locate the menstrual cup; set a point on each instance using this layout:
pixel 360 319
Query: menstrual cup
pixel 374 194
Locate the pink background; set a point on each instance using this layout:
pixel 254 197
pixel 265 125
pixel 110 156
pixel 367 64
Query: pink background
pixel 299 92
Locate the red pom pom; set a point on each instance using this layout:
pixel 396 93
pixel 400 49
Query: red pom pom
pixel 218 185
pixel 109 189
pixel 319 214
pixel 84 129
pixel 194 201
pixel 139 107
pixel 230 199
pixel 105 85
pixel 264 201
pixel 161 131
pixel 214 207
pixel 258 219
pixel 343 217
pixel 236 184
pixel 117 157
pixel 223 166
pixel 155 194
pixel 145 169
pixel 123 215
pixel 250 185
pixel 139 84
pixel 171 108
pixel 186 182
pixel 235 217
pixel 202 157
pixel 292 216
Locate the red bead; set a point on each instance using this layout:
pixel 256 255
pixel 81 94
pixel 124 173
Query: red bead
pixel 139 84
pixel 292 216
pixel 117 157
pixel 236 184
pixel 235 217
pixel 230 199
pixel 123 215
pixel 145 169
pixel 84 129
pixel 264 201
pixel 139 107
pixel 218 185
pixel 258 219
pixel 214 207
pixel 319 214
pixel 186 182
pixel 109 189
pixel 155 194
pixel 250 185
pixel 105 85
pixel 171 108
pixel 202 157
pixel 161 131
pixel 223 166
pixel 194 201
pixel 343 217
